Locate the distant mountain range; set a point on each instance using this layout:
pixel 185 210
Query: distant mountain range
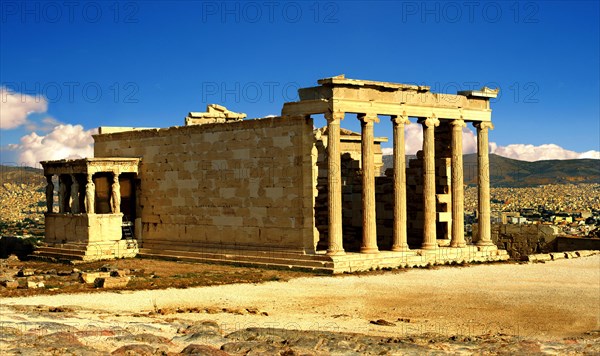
pixel 506 172
pixel 21 175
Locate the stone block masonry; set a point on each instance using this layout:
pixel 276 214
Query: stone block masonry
pixel 245 183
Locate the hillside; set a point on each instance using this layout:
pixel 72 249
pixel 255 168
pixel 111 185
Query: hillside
pixel 506 172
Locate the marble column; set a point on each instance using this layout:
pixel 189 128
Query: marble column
pixel 399 239
pixel 369 242
pixel 74 195
pixel 483 184
pixel 334 184
pixel 90 195
pixel 49 194
pixel 458 211
pixel 115 194
pixel 429 201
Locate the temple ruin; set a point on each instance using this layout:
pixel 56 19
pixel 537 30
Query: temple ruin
pixel 276 191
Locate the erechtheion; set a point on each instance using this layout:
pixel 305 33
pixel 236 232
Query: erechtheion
pixel 275 191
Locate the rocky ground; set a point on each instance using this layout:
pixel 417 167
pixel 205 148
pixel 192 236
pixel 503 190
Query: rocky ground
pixel 532 308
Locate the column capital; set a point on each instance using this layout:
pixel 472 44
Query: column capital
pixel 458 123
pixel 334 116
pixel 483 125
pixel 430 121
pixel 368 117
pixel 400 119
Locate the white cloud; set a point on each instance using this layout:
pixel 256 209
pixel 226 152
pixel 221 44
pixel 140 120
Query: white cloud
pixel 413 134
pixel 531 153
pixel 15 107
pixel 64 141
pixel 413 137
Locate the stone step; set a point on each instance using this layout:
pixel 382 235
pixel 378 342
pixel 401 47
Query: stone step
pixel 301 266
pixel 65 251
pixel 57 255
pixel 265 252
pixel 302 260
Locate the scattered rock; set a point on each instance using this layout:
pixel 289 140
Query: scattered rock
pixel 119 273
pixel 108 268
pixel 35 285
pixel 134 349
pixel 90 277
pixel 111 282
pixel 205 350
pixel 382 322
pixel 404 320
pixel 25 272
pixel 10 284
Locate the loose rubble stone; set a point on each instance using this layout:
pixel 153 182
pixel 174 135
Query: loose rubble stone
pixel 382 322
pixel 90 277
pixel 205 350
pixel 111 282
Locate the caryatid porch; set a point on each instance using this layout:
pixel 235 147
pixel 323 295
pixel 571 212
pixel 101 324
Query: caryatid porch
pixel 96 199
pixel 337 96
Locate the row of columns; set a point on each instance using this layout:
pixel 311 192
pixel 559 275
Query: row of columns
pixel 369 240
pixel 71 202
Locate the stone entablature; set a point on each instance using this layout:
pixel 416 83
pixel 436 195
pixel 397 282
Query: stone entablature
pixel 384 98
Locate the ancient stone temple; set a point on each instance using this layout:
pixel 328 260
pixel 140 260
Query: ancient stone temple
pixel 276 192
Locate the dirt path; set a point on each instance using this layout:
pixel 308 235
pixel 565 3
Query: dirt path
pixel 542 301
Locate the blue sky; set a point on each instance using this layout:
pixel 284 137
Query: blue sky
pixel 149 63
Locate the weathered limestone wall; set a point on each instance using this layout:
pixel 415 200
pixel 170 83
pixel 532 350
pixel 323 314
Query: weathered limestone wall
pixel 247 183
pixel 85 228
pixel 520 240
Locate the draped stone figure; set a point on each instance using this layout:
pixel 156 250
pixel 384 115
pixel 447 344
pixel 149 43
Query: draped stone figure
pixel 115 197
pixel 74 195
pixel 62 195
pixel 49 194
pixel 90 192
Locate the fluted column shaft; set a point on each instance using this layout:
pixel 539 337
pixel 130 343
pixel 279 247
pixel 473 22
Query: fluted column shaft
pixel 334 184
pixel 369 242
pixel 429 201
pixel 483 184
pixel 458 221
pixel 399 242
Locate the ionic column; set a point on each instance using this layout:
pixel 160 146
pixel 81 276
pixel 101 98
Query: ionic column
pixel 429 202
pixel 458 221
pixel 115 194
pixel 90 195
pixel 399 238
pixel 334 184
pixel 74 195
pixel 49 194
pixel 369 242
pixel 483 184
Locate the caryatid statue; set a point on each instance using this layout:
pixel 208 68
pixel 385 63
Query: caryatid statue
pixel 115 197
pixel 63 200
pixel 74 195
pixel 90 192
pixel 49 194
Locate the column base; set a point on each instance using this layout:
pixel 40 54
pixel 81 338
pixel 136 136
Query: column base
pixel 400 248
pixel 369 250
pixel 336 252
pixel 429 246
pixel 458 244
pixel 485 243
